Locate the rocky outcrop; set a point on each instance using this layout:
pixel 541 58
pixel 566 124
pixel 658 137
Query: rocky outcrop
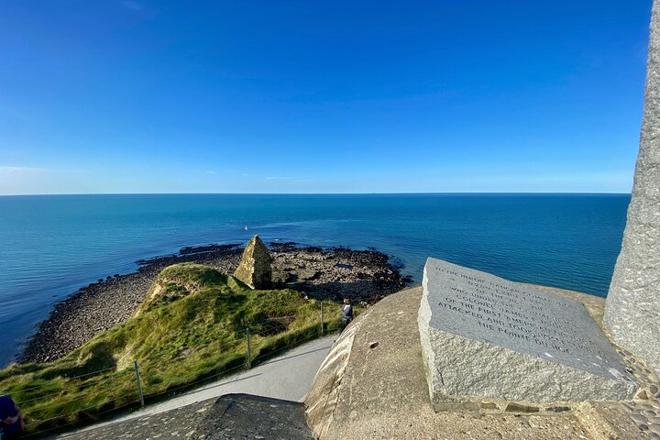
pixel 254 268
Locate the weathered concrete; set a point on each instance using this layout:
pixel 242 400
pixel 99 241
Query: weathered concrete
pixel 379 391
pixel 487 337
pixel 255 269
pixel 234 416
pixel 632 313
pixel 325 393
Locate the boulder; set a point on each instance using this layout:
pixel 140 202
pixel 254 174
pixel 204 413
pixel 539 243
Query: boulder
pixel 255 269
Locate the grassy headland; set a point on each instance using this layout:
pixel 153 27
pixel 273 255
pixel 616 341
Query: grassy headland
pixel 190 327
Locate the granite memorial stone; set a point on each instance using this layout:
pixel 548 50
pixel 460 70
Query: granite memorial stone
pixel 486 338
pixel 632 310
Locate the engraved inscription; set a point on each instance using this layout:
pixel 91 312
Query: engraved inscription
pixel 481 306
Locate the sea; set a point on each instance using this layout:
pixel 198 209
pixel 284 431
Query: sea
pixel 50 246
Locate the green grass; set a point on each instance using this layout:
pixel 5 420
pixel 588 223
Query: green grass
pixel 191 327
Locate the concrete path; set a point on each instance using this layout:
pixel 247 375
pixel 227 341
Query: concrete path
pixel 288 376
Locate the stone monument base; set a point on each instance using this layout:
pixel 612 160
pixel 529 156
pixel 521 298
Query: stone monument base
pixel 372 385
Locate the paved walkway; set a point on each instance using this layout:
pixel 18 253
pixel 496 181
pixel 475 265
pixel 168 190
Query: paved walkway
pixel 288 376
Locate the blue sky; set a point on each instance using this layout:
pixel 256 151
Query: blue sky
pixel 115 96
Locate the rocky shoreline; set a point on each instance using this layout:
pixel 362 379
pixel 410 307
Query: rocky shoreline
pixel 332 273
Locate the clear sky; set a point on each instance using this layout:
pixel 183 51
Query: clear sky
pixel 112 96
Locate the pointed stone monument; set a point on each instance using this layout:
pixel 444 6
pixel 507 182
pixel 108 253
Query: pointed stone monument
pixel 632 310
pixel 254 268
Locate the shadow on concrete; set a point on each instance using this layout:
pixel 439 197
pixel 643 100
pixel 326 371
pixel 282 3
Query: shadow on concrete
pixel 246 416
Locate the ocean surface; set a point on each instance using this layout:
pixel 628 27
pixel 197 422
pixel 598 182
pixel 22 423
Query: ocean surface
pixel 52 245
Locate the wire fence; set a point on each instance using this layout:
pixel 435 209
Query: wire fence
pixel 69 401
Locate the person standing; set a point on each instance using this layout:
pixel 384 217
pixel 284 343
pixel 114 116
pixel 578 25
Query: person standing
pixel 346 313
pixel 11 419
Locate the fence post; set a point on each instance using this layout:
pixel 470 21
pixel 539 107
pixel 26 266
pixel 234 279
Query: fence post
pixel 248 354
pixel 322 323
pixel 139 381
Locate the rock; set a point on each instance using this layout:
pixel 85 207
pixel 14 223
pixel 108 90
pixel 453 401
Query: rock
pixel 632 312
pixel 486 337
pixel 254 268
pixel 519 408
pixel 307 274
pixel 280 278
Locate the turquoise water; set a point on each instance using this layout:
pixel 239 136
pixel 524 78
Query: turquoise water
pixel 52 245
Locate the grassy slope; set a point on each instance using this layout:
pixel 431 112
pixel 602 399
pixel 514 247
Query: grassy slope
pixel 191 327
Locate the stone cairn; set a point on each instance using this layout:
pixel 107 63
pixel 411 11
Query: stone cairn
pixel 254 268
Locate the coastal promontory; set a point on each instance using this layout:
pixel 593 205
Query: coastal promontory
pixel 330 273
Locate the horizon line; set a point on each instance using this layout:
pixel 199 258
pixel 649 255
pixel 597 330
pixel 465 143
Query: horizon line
pixel 317 193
